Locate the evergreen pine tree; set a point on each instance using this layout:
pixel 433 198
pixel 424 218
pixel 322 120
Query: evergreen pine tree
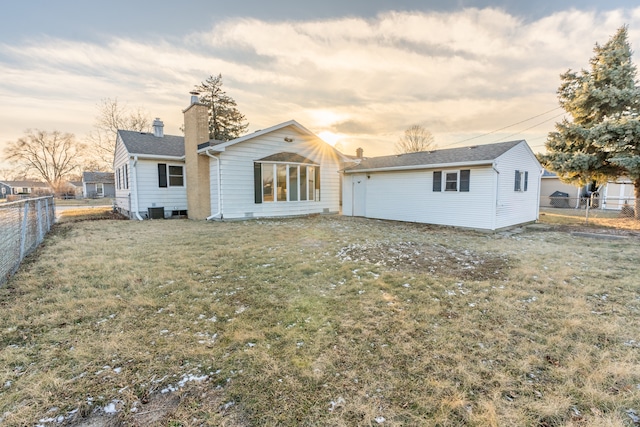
pixel 225 120
pixel 602 141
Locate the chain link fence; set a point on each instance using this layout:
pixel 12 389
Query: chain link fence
pixel 624 207
pixel 23 225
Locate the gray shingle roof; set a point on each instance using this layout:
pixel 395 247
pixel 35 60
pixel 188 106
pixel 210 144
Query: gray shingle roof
pixel 26 183
pixel 104 177
pixel 472 154
pixel 147 143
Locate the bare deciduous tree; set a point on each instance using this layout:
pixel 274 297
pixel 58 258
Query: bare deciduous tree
pixel 51 156
pixel 111 117
pixel 416 138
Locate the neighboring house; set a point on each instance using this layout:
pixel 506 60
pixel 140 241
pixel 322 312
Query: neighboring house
pixel 98 184
pixel 486 187
pixel 617 194
pixel 27 188
pixel 614 195
pixel 283 170
pixel 550 184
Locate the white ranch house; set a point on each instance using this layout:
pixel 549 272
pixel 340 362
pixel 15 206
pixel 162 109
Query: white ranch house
pixel 280 171
pixel 486 187
pixel 287 170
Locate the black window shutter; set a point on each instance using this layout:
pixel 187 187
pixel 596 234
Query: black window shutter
pixel 162 175
pixel 465 175
pixel 526 180
pixel 516 186
pixel 437 181
pixel 317 183
pixel 257 182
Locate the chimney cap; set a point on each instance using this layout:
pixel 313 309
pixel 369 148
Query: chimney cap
pixel 194 97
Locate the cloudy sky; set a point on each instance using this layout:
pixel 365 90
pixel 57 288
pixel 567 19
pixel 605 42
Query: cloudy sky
pixel 357 71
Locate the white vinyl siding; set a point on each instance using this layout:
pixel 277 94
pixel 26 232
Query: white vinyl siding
pixel 146 192
pixel 237 177
pixel 409 196
pixel 484 196
pixel 517 207
pixel 171 198
pixel 122 192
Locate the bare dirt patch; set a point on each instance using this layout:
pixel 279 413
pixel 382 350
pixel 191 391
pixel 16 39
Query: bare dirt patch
pixel 433 258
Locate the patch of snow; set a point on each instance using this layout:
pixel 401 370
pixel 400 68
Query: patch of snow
pixel 379 420
pixel 112 407
pixel 633 415
pixel 339 402
pixel 406 285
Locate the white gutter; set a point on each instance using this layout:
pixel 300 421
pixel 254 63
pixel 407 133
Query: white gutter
pixel 413 167
pixel 155 157
pixel 219 213
pixel 135 186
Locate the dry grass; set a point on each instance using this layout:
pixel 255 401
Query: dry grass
pixel 320 321
pixel 88 214
pixel 105 201
pixel 596 218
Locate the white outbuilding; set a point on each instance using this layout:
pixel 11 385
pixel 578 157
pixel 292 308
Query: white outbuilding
pixel 485 187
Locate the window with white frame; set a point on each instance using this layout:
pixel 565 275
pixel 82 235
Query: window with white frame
pixel 453 180
pixel 99 189
pixel 170 175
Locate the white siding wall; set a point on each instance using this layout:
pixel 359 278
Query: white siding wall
pixel 237 179
pixel 409 196
pixel 213 180
pixel 517 207
pixel 151 195
pixel 122 194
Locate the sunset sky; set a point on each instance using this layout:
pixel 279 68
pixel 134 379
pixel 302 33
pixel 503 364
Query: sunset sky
pixel 358 72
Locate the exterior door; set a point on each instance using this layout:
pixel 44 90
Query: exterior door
pixel 359 194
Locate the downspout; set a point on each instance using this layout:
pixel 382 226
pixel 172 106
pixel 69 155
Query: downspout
pixel 495 216
pixel 135 186
pixel 538 196
pixel 209 218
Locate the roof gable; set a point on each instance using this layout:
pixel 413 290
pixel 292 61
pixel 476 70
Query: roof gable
pixel 145 143
pixel 222 145
pixel 476 154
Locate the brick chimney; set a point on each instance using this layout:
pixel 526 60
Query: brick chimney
pixel 196 131
pixel 158 128
pixel 359 153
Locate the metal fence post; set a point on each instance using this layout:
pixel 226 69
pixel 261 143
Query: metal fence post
pixel 23 230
